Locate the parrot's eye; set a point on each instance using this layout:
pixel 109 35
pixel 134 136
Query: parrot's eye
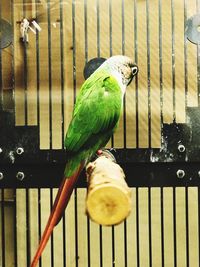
pixel 134 70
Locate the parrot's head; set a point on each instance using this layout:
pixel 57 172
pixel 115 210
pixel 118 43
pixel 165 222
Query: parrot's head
pixel 122 68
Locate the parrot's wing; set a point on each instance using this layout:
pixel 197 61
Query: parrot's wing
pixel 97 110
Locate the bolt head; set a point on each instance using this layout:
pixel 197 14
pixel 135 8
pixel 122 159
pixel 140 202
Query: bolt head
pixel 1 175
pixel 181 148
pixel 20 150
pixel 180 174
pixel 20 176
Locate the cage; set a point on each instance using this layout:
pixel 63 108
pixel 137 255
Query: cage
pixel 44 48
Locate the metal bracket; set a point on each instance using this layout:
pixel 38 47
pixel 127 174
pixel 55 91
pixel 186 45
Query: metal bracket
pixel 192 29
pixel 6 33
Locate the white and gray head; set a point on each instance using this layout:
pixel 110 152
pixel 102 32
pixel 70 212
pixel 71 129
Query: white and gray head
pixel 122 68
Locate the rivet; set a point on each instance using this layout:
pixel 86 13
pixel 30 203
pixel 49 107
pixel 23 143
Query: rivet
pixel 181 148
pixel 180 173
pixel 20 150
pixel 20 176
pixel 1 175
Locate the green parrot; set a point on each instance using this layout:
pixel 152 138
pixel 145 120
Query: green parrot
pixel 95 117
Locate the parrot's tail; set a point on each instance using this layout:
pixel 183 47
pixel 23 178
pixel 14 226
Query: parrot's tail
pixel 59 206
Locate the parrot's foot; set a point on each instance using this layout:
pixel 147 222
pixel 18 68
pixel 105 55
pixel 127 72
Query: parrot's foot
pixel 99 152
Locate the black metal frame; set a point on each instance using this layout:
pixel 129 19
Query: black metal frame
pixel 176 163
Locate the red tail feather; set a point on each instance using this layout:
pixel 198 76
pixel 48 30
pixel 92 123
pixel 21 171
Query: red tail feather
pixel 59 206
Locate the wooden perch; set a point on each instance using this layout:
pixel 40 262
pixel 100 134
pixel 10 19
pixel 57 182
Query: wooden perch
pixel 109 197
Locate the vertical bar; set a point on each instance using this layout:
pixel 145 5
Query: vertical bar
pixel 156 243
pixel 116 7
pixel 199 220
pixel 168 221
pixel 3 228
pixel 101 245
pixel 21 227
pixel 124 127
pixel 49 71
pixel 148 71
pixel 160 58
pixel 38 118
pixel 111 47
pixel 198 58
pixel 187 226
pixel 167 90
pixel 150 225
pixel 137 227
pixel 144 227
pixel 64 240
pixel 162 227
pixel 180 227
pixel 15 228
pixel 132 234
pixel 185 55
pixel 86 31
pixel 37 70
pixel 74 47
pixel 180 98
pixel 173 59
pixel 62 113
pixel 52 235
pixel 120 258
pixel 58 249
pixel 39 221
pixel 113 246
pixel 82 228
pixel 25 69
pixel 98 29
pixel 56 75
pixel 153 73
pixel 125 245
pixel 193 226
pixel 174 224
pixel 86 60
pixel 110 26
pixel 27 228
pixel 136 78
pixel 123 53
pixel 76 227
pixel 50 109
pixel 198 64
pixel 1 81
pixel 70 236
pixel 43 65
pixel 130 99
pixel 15 190
pixel 88 241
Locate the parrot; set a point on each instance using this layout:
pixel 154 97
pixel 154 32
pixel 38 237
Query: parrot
pixel 95 117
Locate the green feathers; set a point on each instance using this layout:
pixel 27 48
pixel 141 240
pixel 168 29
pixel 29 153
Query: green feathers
pixel 96 114
pixel 97 110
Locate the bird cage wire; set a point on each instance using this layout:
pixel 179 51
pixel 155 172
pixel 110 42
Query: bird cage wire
pixel 157 141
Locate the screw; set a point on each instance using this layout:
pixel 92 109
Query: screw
pixel 180 173
pixel 20 150
pixel 181 148
pixel 20 176
pixel 1 175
